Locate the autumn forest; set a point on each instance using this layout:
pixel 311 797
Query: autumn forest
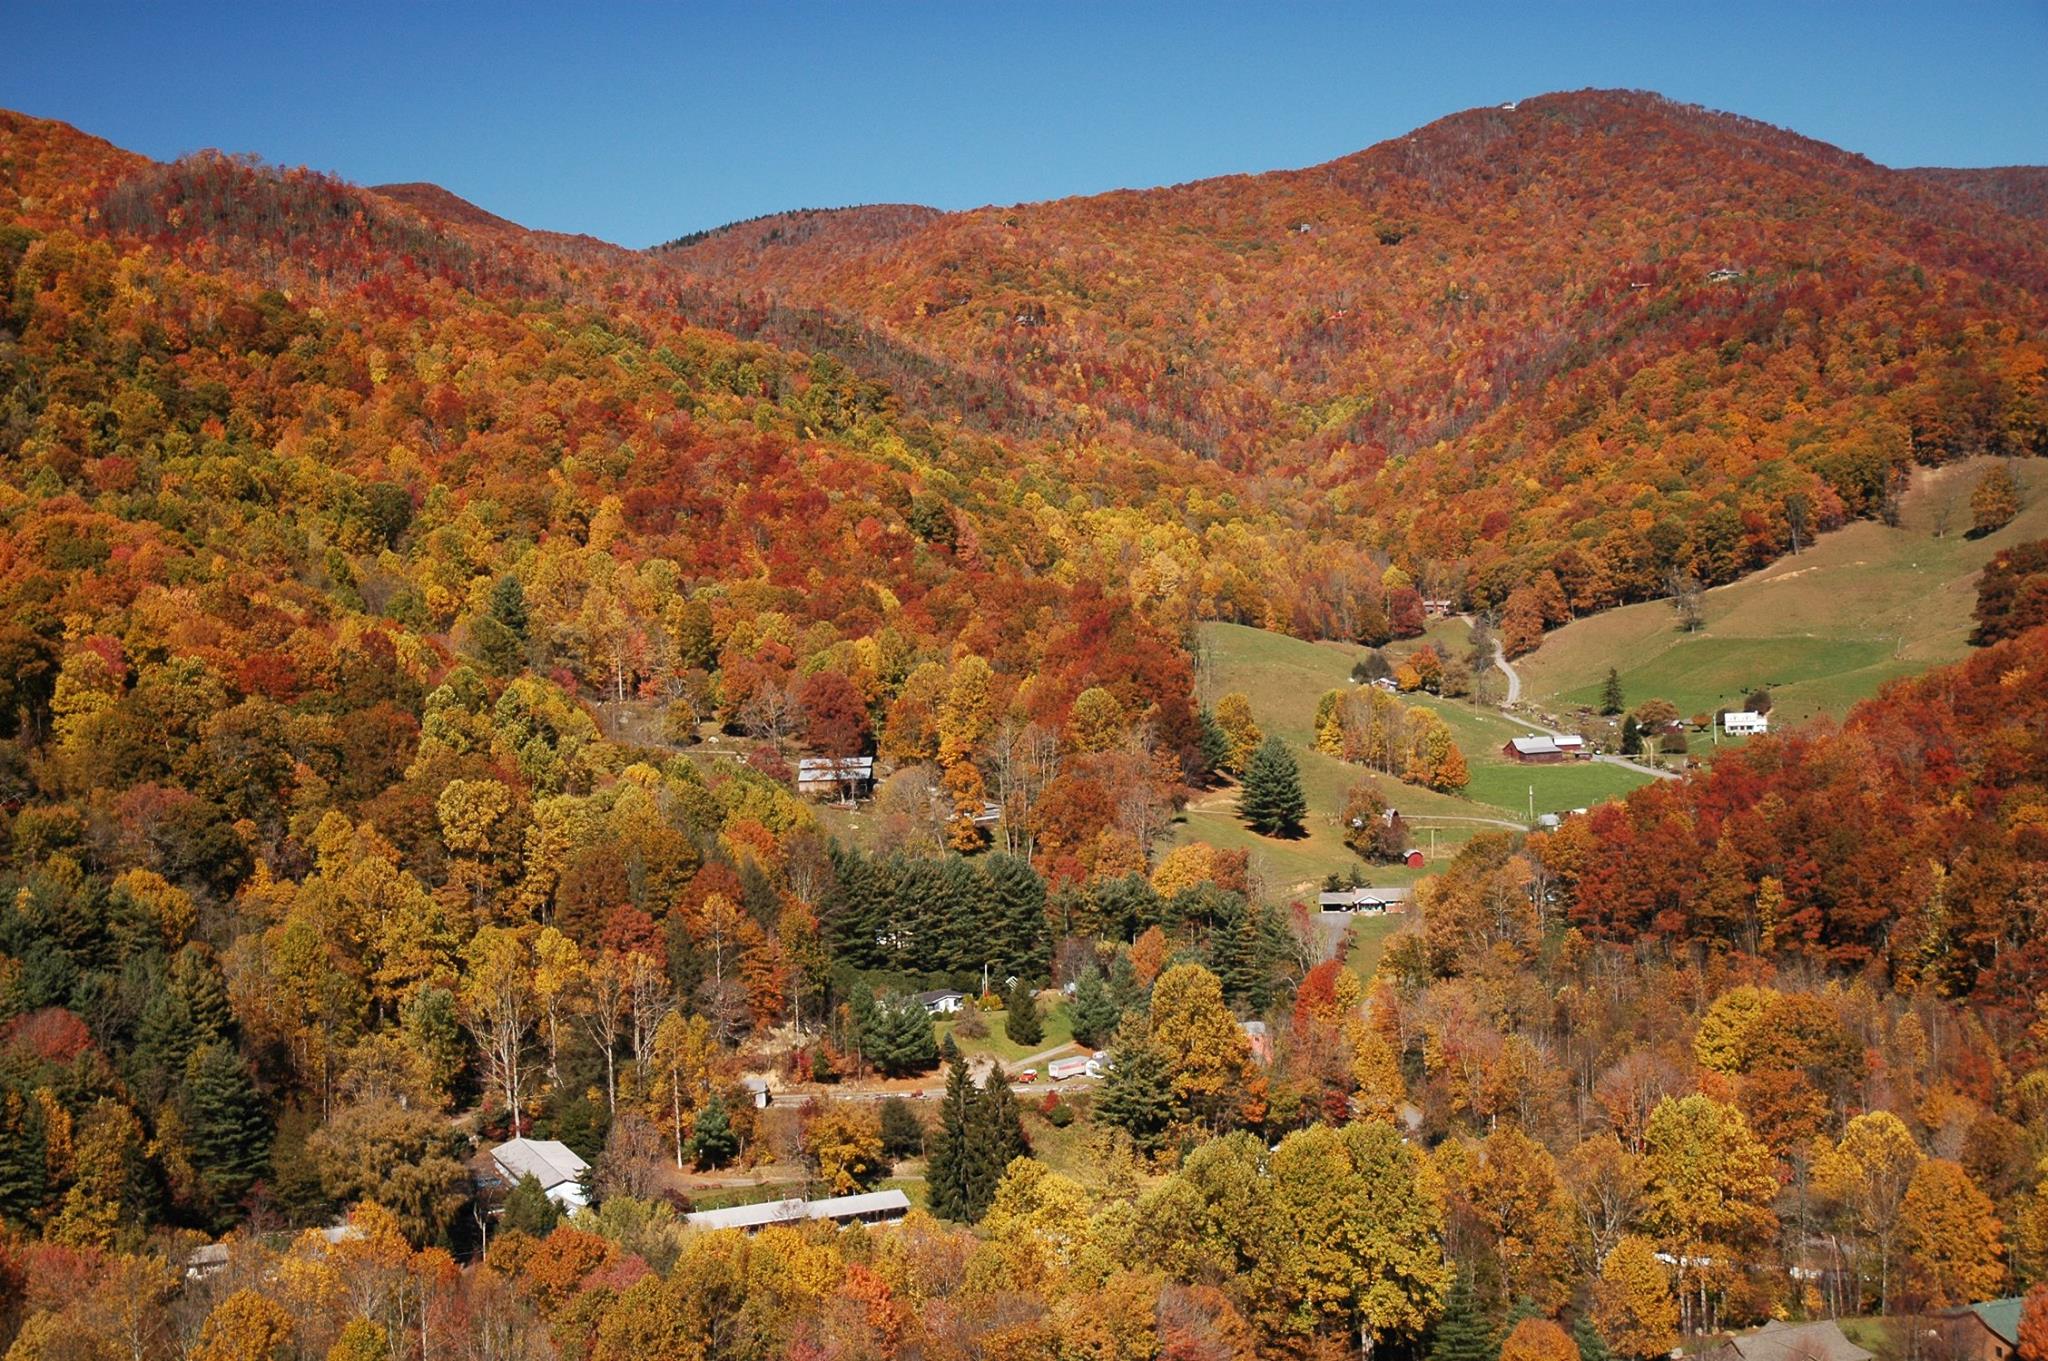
pixel 520 757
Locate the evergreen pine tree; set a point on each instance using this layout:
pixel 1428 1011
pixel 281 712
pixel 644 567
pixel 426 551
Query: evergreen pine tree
pixel 842 908
pixel 508 606
pixel 995 1139
pixel 24 1183
pixel 163 1042
pixel 1094 1012
pixel 1272 803
pixel 196 975
pixel 966 930
pixel 1020 1016
pixel 1631 736
pixel 1463 1334
pixel 1213 747
pixel 1237 955
pixel 712 1142
pixel 1592 1347
pixel 912 1047
pixel 1124 989
pixel 1016 900
pixel 229 1132
pixel 925 920
pixel 947 1174
pixel 1126 906
pixel 1137 1096
pixel 902 1131
pixel 528 1209
pixel 1611 701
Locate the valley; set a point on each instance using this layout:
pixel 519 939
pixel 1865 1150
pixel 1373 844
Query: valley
pixel 514 746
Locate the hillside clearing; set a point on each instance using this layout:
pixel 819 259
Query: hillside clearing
pixel 1284 678
pixel 1864 605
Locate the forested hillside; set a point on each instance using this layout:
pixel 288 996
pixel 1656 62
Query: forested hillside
pixel 1598 334
pixel 413 631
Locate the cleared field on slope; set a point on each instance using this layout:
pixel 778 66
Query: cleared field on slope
pixel 1863 606
pixel 1284 678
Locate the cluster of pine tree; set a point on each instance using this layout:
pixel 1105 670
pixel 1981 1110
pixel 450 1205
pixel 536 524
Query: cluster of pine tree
pixel 895 1034
pixel 946 915
pixel 980 1133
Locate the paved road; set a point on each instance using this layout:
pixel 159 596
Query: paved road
pixel 1500 659
pixel 1451 817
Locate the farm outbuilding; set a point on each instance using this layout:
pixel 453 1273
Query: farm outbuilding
pixel 840 777
pixel 1533 751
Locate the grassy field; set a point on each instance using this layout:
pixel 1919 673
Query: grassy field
pixel 1057 1024
pixel 1863 606
pixel 1284 678
pixel 1369 937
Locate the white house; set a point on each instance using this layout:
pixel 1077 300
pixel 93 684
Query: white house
pixel 552 1163
pixel 941 1001
pixel 1370 901
pixel 1743 723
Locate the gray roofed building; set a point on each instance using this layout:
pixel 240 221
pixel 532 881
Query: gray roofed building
pixel 1776 1341
pixel 550 1162
pixel 1366 900
pixel 872 1207
pixel 849 777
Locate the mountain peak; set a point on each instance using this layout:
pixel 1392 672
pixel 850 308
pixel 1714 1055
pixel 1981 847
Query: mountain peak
pixel 442 204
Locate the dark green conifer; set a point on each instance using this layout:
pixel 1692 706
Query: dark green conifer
pixel 948 1176
pixel 1094 1011
pixel 1020 1015
pixel 712 1141
pixel 1611 701
pixel 902 1131
pixel 1272 803
pixel 528 1209
pixel 1016 918
pixel 1137 1095
pixel 1463 1334
pixel 24 1176
pixel 1592 1347
pixel 225 1122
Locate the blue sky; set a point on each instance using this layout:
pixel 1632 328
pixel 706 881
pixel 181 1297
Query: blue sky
pixel 639 122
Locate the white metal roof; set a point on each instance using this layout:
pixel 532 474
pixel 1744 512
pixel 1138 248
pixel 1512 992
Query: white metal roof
pixel 1533 746
pixel 836 766
pixel 792 1211
pixel 549 1160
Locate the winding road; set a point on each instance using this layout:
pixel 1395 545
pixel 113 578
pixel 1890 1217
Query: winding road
pixel 1514 696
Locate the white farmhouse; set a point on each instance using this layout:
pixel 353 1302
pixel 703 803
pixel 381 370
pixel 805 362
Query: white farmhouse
pixel 1743 723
